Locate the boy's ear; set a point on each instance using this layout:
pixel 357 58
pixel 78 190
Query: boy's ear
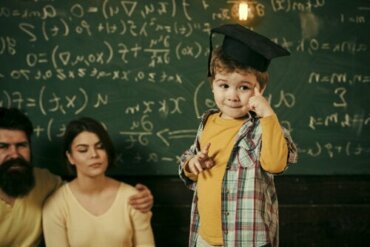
pixel 211 84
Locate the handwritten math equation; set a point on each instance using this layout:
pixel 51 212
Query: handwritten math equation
pixel 142 66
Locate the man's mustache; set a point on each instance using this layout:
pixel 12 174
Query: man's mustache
pixel 12 163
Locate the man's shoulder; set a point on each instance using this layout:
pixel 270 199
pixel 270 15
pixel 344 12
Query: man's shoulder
pixel 45 184
pixel 46 180
pixel 44 173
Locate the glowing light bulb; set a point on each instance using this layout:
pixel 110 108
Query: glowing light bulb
pixel 243 11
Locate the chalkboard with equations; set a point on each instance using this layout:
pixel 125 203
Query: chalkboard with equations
pixel 140 67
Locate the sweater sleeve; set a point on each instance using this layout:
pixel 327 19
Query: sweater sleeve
pixel 188 178
pixel 143 234
pixel 55 232
pixel 141 223
pixel 274 151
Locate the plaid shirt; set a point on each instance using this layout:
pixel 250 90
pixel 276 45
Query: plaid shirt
pixel 249 200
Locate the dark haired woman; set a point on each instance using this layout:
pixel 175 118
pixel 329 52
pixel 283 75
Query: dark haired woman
pixel 93 209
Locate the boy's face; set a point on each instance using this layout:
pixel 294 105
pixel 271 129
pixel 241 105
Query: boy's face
pixel 232 92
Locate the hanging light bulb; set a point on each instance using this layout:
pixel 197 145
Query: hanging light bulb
pixel 243 11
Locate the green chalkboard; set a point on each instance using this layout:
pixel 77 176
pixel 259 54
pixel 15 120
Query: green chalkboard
pixel 140 67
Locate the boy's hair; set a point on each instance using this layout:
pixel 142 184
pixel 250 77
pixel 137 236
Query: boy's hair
pixel 14 119
pixel 221 63
pixel 76 127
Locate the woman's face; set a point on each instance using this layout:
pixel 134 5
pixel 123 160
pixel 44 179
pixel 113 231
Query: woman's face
pixel 88 155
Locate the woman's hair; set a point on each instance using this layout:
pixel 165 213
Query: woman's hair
pixel 221 63
pixel 76 127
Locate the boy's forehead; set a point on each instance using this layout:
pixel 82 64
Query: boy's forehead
pixel 225 71
pixel 243 76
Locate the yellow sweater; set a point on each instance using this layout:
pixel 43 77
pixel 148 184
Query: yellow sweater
pixel 221 133
pixel 20 225
pixel 66 222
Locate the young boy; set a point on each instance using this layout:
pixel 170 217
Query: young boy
pixel 238 148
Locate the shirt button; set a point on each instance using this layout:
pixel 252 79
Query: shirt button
pixel 226 213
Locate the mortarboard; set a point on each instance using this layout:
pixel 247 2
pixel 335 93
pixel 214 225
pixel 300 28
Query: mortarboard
pixel 246 47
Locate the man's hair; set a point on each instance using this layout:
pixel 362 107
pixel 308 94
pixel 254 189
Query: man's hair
pixel 76 127
pixel 14 119
pixel 221 63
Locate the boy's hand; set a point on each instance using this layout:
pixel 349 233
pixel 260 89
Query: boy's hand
pixel 259 104
pixel 201 161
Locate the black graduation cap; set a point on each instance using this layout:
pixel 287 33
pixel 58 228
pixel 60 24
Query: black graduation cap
pixel 246 47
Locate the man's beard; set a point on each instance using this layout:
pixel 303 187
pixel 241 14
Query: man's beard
pixel 16 177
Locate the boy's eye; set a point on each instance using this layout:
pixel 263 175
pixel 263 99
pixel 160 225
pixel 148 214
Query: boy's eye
pixel 244 88
pixel 100 146
pixel 224 86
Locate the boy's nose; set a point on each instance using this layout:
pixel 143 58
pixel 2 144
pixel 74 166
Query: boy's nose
pixel 232 95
